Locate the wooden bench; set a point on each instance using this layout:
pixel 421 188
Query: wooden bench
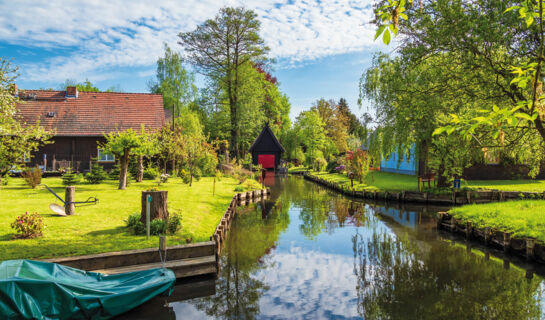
pixel 426 178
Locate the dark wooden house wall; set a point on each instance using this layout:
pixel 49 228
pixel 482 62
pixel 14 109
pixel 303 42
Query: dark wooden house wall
pixel 266 145
pixel 77 150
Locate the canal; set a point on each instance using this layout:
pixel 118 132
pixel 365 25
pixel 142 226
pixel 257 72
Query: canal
pixel 309 253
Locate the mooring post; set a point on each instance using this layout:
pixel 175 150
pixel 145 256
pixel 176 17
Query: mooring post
pixel 70 198
pixel 148 202
pixel 469 229
pixel 506 241
pixel 530 245
pixel 486 235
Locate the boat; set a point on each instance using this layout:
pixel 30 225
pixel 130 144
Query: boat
pixel 44 290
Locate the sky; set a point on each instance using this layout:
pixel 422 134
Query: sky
pixel 321 47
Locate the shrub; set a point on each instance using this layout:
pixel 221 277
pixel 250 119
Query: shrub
pixel 114 173
pixel 4 180
pixel 320 164
pixel 28 225
pixel 132 220
pixel 158 227
pixel 174 223
pixel 70 178
pixel 239 188
pixel 151 173
pixel 163 178
pixel 32 176
pixel 97 174
pixel 331 166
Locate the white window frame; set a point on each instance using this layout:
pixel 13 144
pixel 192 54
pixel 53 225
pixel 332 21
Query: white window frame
pixel 108 157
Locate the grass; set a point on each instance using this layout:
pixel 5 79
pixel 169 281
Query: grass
pixel 375 180
pixel 524 218
pixel 101 228
pixel 386 181
pixel 508 185
pixel 297 169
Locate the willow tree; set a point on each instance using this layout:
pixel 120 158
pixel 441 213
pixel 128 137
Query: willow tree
pixel 218 48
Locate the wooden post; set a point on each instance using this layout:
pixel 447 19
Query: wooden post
pixel 468 196
pixel 469 229
pixel 70 198
pixel 54 163
pixel 530 245
pixel 158 205
pixel 486 235
pixel 506 241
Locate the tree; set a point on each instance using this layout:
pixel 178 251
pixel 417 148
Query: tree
pixel 336 123
pixel 16 140
pixel 311 131
pixel 500 58
pixel 174 81
pixel 122 144
pixel 86 86
pixel 219 47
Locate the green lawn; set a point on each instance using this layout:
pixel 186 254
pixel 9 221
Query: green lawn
pixel 100 228
pixel 386 181
pixel 375 180
pixel 525 218
pixel 507 185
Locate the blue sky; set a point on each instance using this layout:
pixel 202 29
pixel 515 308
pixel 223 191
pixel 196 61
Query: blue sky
pixel 321 47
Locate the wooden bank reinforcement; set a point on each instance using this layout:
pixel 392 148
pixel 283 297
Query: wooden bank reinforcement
pixel 186 260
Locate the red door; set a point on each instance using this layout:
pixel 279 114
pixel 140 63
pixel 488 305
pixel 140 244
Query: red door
pixel 266 160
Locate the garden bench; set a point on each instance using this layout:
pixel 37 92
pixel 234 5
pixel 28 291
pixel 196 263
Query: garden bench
pixel 426 178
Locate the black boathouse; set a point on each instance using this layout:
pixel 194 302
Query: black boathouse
pixel 266 149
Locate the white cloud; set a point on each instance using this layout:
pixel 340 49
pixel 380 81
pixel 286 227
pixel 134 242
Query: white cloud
pixel 100 35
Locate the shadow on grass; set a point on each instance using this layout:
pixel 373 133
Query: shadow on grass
pixel 107 232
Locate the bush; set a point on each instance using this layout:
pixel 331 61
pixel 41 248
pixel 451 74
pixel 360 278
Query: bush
pixel 132 220
pixel 70 178
pixel 32 176
pixel 151 173
pixel 4 180
pixel 163 178
pixel 174 223
pixel 114 173
pixel 331 165
pixel 158 227
pixel 97 174
pixel 239 188
pixel 28 225
pixel 320 164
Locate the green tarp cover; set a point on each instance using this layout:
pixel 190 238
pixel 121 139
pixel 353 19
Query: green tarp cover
pixel 43 290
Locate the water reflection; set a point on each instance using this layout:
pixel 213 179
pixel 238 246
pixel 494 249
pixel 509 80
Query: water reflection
pixel 309 253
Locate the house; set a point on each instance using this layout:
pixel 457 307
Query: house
pixel 79 120
pixel 396 165
pixel 266 150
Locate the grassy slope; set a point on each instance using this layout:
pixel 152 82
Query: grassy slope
pixel 375 180
pixel 100 228
pixel 524 218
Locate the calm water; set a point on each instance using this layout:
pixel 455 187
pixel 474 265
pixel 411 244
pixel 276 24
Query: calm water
pixel 309 253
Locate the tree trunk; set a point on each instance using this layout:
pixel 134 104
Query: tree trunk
pixel 124 164
pixel 158 205
pixel 441 179
pixel 70 198
pixel 423 150
pixel 140 172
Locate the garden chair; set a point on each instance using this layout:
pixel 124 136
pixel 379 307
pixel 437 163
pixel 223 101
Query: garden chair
pixel 429 178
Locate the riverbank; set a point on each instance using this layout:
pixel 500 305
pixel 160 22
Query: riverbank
pixel 522 219
pixel 101 228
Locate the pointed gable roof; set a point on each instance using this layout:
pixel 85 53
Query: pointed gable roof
pixel 266 133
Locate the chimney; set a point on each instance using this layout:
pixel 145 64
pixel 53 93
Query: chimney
pixel 71 92
pixel 15 89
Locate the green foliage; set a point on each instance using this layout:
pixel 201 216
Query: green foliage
pixel 16 140
pixel 311 132
pixel 97 174
pixel 174 82
pixel 4 181
pixel 359 164
pixel 70 178
pixel 239 188
pixel 158 227
pixel 32 176
pixel 225 67
pixel 151 172
pixel 319 164
pixel 299 155
pixel 174 223
pixel 28 225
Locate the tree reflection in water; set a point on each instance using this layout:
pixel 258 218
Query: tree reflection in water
pixel 254 234
pixel 402 279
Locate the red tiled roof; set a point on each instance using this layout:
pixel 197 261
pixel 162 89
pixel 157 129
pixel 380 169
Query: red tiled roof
pixel 91 113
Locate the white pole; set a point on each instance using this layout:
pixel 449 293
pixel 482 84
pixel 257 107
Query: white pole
pixel 148 202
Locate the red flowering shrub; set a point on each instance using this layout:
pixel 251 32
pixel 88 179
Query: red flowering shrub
pixel 28 225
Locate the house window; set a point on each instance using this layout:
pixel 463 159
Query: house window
pixel 26 157
pixel 104 156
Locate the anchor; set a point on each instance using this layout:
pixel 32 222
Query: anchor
pixel 61 211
